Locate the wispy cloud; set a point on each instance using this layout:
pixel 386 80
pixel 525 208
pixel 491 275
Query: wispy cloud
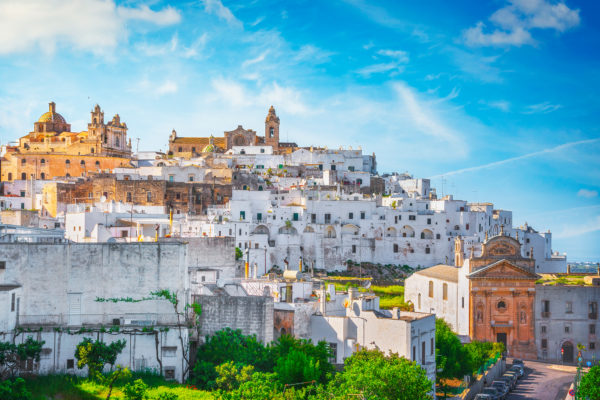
pixel 399 58
pixel 518 158
pixel 568 231
pixel 173 47
pixel 542 108
pixel 255 60
pixel 91 25
pixel 217 8
pixel 501 105
pixel 513 23
pixel 588 194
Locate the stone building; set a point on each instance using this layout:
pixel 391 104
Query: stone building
pixel 180 197
pixel 189 147
pixel 52 150
pixel 566 316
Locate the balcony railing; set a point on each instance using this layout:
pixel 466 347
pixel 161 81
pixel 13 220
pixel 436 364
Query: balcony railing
pixel 593 315
pixel 545 314
pixel 132 319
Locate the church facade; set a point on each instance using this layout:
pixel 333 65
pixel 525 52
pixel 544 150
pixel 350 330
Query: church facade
pixel 52 150
pixel 489 297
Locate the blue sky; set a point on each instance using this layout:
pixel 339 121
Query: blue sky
pixel 495 101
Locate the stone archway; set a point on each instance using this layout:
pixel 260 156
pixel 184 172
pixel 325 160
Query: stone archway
pixel 567 350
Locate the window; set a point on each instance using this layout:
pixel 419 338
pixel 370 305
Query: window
pixel 430 288
pixel 171 178
pixel 148 196
pixel 431 347
pixel 419 301
pixel 82 162
pixel 569 307
pixel 412 217
pixel 23 161
pixel 180 149
pixel 567 329
pixel 313 218
pixel 2 265
pixel 362 215
pixel 70 363
pixel 414 353
pixel 422 352
pixel 462 302
pixel 428 221
pixel 271 132
pixel 359 181
pixel 259 216
pixel 350 215
pixel 592 329
pixel 42 161
pixel 43 175
pixel 327 218
pixel 545 306
pixel 191 178
pixel 170 373
pixel 262 150
pixel 593 310
pixel 170 351
pixel 193 149
pixel 24 176
pixel 427 250
pixel 10 176
pixel 543 328
pixel 353 248
pixel 501 305
pixel 544 343
pixel 178 196
pixel 592 346
pixel 395 247
pixel 68 162
pixel 12 302
pixel 445 291
pixel 437 236
pixel 295 217
pixel 242 215
pixel 22 193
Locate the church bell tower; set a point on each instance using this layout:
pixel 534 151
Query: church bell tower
pixel 272 129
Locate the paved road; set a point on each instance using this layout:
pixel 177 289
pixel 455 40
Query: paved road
pixel 541 382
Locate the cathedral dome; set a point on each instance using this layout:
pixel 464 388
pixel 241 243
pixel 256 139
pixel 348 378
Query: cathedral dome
pixel 52 115
pixel 209 148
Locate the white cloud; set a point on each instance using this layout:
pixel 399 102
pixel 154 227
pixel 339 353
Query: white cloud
pixel 312 54
pixel 501 105
pixel 516 20
pixel 91 25
pixel 173 47
pixel 399 55
pixel 542 108
pixel 255 60
pixel 588 194
pixel 578 230
pixel 217 8
pixel 518 158
pixel 167 87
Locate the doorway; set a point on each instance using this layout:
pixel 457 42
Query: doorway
pixel 501 338
pixel 567 350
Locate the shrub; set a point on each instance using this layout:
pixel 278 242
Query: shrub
pixel 167 396
pixel 14 390
pixel 136 390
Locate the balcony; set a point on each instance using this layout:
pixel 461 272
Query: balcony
pixel 545 314
pixel 593 315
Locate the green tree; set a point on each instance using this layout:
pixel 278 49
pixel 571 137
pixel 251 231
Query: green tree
pixel 96 354
pixel 135 390
pixel 319 353
pixel 297 367
pixel 119 373
pixel 230 376
pixel 589 387
pixel 13 355
pixel 238 253
pixel 451 357
pixel 374 375
pixel 261 386
pixel 14 390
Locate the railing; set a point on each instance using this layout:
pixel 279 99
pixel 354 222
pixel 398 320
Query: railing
pixel 546 314
pixel 128 319
pixel 593 315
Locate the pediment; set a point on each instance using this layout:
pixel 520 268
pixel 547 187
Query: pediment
pixel 503 269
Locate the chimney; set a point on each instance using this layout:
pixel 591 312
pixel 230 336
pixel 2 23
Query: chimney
pixel 352 294
pixel 568 268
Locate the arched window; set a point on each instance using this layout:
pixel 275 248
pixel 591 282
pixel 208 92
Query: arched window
pixel 24 176
pixel 431 289
pixel 68 175
pixel 42 161
pixel 10 176
pixel 501 305
pixel 271 132
pixel 43 176
pixel 359 181
pixel 23 161
pixel 427 250
pixel 68 162
pixel 92 150
pixel 97 163
pixel 82 162
pixel 117 143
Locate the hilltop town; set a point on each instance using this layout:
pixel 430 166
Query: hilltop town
pixel 267 237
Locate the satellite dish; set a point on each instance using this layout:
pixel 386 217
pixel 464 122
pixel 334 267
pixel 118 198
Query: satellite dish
pixel 367 284
pixel 103 199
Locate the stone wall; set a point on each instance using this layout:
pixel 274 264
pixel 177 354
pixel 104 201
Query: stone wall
pixel 253 315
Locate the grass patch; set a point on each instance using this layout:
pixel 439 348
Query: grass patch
pixel 69 387
pixel 395 290
pixel 387 303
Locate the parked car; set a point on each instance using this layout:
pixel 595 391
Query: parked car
pixel 483 396
pixel 510 378
pixel 518 369
pixel 502 387
pixel 518 361
pixel 493 393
